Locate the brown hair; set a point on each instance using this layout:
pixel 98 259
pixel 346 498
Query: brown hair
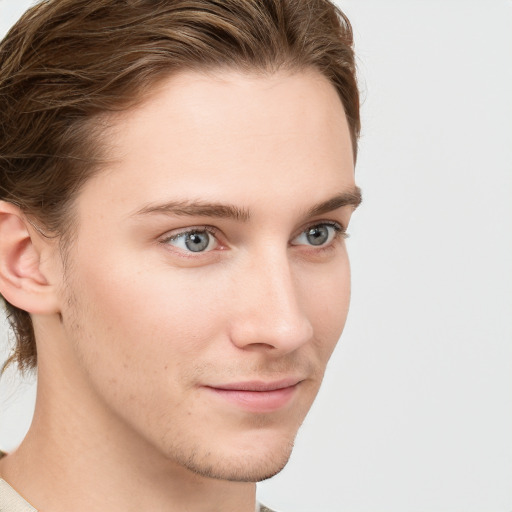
pixel 66 62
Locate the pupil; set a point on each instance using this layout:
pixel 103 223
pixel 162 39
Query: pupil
pixel 318 235
pixel 197 242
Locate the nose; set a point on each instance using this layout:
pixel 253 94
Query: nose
pixel 270 306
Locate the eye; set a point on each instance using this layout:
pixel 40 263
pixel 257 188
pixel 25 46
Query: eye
pixel 319 234
pixel 196 240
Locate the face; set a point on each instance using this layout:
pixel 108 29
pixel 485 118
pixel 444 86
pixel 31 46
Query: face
pixel 209 281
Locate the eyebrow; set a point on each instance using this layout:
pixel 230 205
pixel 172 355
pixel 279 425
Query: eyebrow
pixel 198 208
pixel 351 198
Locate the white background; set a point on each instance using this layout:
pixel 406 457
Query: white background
pixel 416 410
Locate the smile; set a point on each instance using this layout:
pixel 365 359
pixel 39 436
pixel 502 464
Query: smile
pixel 256 396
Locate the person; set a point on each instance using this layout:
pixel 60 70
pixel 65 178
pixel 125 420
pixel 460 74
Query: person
pixel 176 179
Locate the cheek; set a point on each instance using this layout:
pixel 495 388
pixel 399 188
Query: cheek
pixel 142 310
pixel 326 298
pixel 141 338
pixel 155 316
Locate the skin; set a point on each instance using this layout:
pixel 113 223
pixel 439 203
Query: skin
pixel 136 333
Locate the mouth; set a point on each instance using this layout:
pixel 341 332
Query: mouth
pixel 257 396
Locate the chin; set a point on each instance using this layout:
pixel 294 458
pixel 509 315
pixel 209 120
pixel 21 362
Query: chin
pixel 260 461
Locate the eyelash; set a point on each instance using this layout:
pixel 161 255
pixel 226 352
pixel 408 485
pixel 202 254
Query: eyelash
pixel 340 233
pixel 195 229
pixel 340 230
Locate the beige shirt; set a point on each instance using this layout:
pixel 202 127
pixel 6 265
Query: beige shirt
pixel 11 501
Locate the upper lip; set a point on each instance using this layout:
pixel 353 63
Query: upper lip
pixel 258 385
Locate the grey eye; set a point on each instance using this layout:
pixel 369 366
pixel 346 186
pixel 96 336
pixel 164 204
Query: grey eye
pixel 194 241
pixel 321 234
pixel 197 242
pixel 317 235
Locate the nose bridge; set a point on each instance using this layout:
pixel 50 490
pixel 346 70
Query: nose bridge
pixel 271 308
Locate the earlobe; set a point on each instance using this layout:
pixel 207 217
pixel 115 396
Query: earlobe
pixel 22 280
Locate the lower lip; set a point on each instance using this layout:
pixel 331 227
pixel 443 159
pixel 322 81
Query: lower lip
pixel 257 401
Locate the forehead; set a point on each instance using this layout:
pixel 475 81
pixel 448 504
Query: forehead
pixel 213 135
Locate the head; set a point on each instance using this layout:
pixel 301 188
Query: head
pixel 176 177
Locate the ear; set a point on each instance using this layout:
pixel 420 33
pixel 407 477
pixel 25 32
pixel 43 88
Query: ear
pixel 22 280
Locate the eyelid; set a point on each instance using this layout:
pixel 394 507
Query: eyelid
pixel 338 226
pixel 339 235
pixel 176 233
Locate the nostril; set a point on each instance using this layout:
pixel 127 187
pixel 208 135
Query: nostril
pixel 283 332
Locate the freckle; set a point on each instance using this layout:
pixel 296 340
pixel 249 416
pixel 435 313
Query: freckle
pixel 165 367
